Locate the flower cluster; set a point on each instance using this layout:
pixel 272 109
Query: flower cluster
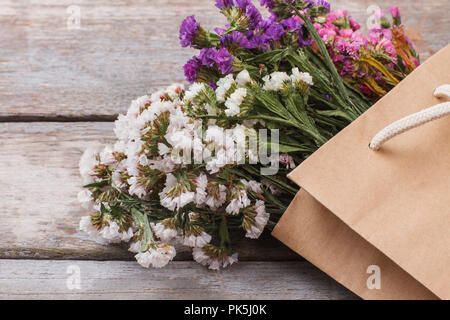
pixel 375 61
pixel 169 180
pixel 371 63
pixel 196 167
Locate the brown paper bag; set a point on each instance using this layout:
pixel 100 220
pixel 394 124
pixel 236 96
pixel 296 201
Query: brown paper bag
pixel 389 208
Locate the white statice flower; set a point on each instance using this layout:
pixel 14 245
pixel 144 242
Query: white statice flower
pixel 147 116
pixel 200 191
pixel 165 234
pixel 239 201
pixel 174 201
pixel 213 263
pixel 234 102
pixel 179 120
pixel 243 78
pixel 111 233
pixel 162 255
pixel 217 195
pixel 165 164
pixel 180 139
pixel 163 148
pixel 174 90
pixel 87 164
pixel 261 219
pixel 275 81
pixel 87 226
pixel 143 160
pixel 122 127
pixel 223 85
pixel 127 235
pixel 116 175
pixel 180 201
pixel 299 77
pixel 126 127
pixel 197 241
pixel 136 188
pixel 194 90
pixel 106 156
pixel 287 160
pixel 136 105
pixel 216 135
pixel 135 247
pixel 284 159
pixel 120 146
pixel 220 160
pixel 98 205
pixel 253 185
pixel 85 199
pixel 157 95
pixel 158 256
pixel 132 152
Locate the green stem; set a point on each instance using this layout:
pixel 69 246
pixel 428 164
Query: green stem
pixel 323 50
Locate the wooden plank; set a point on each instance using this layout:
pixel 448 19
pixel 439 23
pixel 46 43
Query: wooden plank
pixel 125 49
pixel 39 212
pixel 47 279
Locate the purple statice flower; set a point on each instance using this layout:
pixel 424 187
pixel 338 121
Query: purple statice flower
pixel 252 13
pixel 212 85
pixel 222 4
pixel 220 31
pixel 191 69
pixel 188 30
pixel 304 42
pixel 266 3
pixel 242 4
pixel 236 38
pixel 320 3
pixel 207 56
pixel 224 61
pixel 275 31
pixel 260 42
pixel 292 23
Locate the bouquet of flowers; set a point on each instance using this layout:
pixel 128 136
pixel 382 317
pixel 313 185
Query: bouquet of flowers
pixel 200 166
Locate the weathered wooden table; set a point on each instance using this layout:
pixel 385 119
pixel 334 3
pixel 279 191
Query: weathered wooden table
pixel 60 90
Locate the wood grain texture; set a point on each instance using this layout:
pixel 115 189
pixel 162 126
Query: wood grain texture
pixel 39 211
pixel 126 48
pixel 47 279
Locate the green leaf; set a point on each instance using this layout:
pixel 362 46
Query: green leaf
pixel 141 220
pixel 99 184
pixel 334 113
pixel 269 56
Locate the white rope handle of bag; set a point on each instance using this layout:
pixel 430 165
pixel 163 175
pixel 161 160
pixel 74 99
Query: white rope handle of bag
pixel 414 120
